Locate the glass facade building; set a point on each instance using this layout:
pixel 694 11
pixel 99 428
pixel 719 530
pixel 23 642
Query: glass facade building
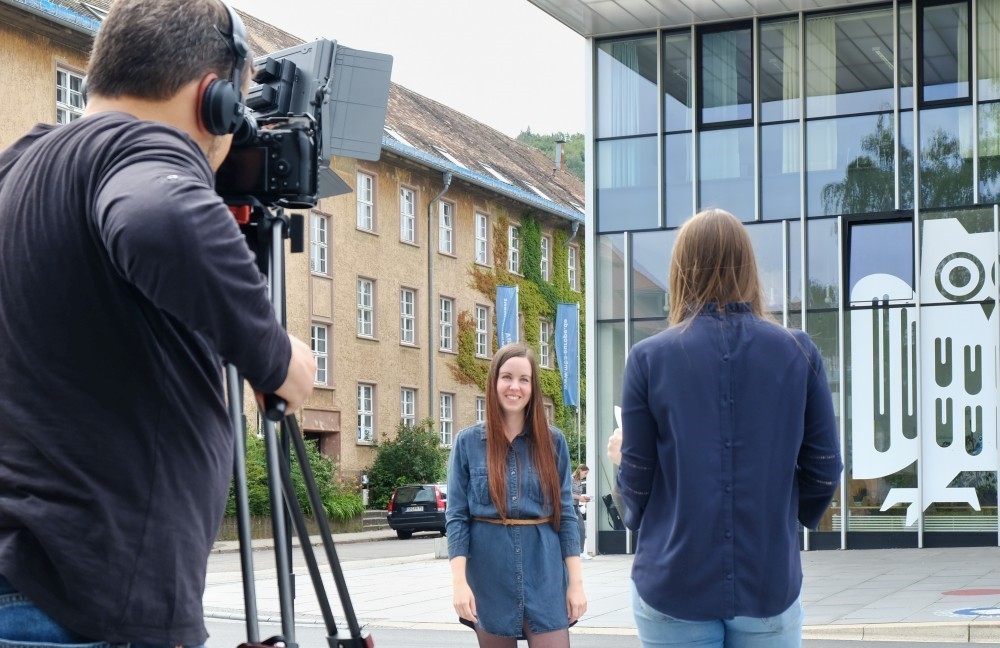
pixel 860 144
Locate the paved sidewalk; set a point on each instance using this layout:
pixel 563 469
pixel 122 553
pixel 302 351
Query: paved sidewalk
pixel 907 595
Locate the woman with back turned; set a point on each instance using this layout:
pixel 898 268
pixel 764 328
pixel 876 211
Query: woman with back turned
pixel 729 442
pixel 512 528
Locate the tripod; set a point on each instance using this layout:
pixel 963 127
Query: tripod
pixel 265 232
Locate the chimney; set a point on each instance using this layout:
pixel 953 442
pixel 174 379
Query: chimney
pixel 558 162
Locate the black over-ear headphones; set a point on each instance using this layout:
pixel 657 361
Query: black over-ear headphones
pixel 222 100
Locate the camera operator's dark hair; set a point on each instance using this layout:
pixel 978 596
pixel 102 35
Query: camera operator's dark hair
pixel 149 49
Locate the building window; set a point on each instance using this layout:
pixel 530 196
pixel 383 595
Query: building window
pixel 447 417
pixel 366 413
pixel 408 406
pixel 407 316
pixel 366 308
pixel 69 96
pixel 446 224
pixel 545 263
pixel 550 412
pixel 946 64
pixel 447 328
pixel 482 239
pixel 366 202
pixel 727 76
pixel 544 344
pixel 407 216
pixel 320 335
pixel 514 249
pixel 317 244
pixel 482 331
pixel 571 267
pixel 480 409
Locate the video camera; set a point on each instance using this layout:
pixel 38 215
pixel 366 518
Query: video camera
pixel 307 103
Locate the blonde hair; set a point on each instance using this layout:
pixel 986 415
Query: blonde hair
pixel 713 262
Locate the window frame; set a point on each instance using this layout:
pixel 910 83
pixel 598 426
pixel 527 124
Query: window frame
pixel 448 229
pixel 699 90
pixel 410 317
pixel 66 107
pixel 446 425
pixel 408 419
pixel 363 309
pixel 365 202
pixel 322 356
pixel 514 251
pixel 572 261
pixel 318 246
pixel 480 411
pixel 366 413
pixel 918 42
pixel 482 242
pixel 408 219
pixel 545 343
pixel 482 315
pixel 545 260
pixel 446 328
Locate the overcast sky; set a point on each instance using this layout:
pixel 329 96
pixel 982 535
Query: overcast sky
pixel 505 63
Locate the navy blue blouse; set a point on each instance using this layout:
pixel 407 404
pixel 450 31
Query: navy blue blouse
pixel 729 439
pixel 515 572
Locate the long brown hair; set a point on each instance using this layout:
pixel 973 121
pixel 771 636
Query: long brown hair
pixel 713 261
pixel 539 438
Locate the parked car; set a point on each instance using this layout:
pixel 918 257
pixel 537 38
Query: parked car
pixel 417 507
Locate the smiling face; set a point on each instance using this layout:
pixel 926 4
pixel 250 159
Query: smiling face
pixel 514 386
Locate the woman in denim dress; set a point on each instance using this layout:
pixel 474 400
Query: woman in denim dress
pixel 512 528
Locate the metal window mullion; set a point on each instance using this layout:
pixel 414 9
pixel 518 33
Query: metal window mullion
pixel 755 71
pixel 661 167
pixel 898 147
pixel 842 389
pixel 784 273
pixel 916 280
pixel 974 83
pixel 996 331
pixel 695 131
pixel 802 137
pixel 627 256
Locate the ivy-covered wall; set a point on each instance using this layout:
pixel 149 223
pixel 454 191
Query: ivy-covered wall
pixel 537 299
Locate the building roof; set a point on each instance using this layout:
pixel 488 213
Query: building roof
pixel 611 17
pixel 419 129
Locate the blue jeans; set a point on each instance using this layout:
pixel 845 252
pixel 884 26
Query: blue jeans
pixel 23 625
pixel 657 629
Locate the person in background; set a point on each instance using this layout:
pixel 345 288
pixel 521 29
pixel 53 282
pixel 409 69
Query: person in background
pixel 511 524
pixel 579 475
pixel 728 441
pixel 124 284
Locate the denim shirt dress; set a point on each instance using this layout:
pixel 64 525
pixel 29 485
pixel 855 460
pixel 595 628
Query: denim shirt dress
pixel 517 573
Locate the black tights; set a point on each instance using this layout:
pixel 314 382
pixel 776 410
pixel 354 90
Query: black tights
pixel 554 639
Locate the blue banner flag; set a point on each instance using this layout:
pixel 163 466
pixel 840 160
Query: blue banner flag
pixel 568 351
pixel 507 327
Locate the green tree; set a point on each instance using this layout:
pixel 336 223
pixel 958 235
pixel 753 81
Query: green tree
pixel 414 456
pixel 573 149
pixel 340 501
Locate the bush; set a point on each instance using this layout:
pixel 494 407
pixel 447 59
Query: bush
pixel 340 501
pixel 414 456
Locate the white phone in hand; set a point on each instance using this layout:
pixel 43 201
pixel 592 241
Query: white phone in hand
pixel 618 415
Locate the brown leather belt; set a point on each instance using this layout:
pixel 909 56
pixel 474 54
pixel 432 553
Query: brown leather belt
pixel 513 521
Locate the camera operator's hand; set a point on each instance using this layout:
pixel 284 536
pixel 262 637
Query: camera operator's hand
pixel 301 375
pixel 615 447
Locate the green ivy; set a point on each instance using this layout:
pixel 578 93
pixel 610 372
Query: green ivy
pixel 537 299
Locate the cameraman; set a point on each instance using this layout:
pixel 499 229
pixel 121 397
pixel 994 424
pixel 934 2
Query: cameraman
pixel 124 282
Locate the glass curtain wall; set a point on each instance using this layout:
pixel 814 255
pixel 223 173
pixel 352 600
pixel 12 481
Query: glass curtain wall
pixel 811 129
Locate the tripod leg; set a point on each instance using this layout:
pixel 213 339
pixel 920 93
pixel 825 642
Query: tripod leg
pixel 282 550
pixel 234 388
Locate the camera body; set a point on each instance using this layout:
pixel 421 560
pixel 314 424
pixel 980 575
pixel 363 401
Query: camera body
pixel 275 161
pixel 307 103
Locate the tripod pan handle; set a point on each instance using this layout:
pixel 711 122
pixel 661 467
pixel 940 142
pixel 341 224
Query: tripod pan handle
pixel 274 408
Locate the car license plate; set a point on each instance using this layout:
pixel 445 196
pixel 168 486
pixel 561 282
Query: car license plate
pixel 414 509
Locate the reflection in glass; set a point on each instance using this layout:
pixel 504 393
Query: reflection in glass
pixel 823 328
pixel 651 254
pixel 768 251
pixel 611 276
pixel 945 55
pixel 906 160
pixel 989 152
pixel 946 157
pixel 727 76
pixel 905 57
pixel 642 329
pixel 626 87
pixel 727 171
pixel 850 165
pixel 779 70
pixel 677 170
pixel 626 184
pixel 780 171
pixel 849 63
pixel 883 249
pixel 989 49
pixel 822 257
pixel 610 368
pixel 794 264
pixel 677 82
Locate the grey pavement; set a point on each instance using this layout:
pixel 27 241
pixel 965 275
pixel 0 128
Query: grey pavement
pixel 906 595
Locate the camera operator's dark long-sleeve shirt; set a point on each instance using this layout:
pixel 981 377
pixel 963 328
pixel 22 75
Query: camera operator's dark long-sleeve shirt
pixel 124 281
pixel 729 438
